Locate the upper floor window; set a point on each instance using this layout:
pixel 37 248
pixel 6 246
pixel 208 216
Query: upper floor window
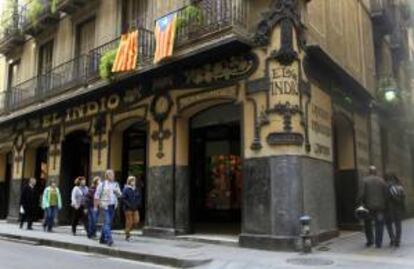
pixel 45 58
pixel 13 74
pixel 85 37
pixel 136 13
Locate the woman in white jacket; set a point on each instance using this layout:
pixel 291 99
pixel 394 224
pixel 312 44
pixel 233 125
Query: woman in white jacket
pixel 78 198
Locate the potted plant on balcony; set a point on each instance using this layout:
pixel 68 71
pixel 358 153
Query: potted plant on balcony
pixel 34 10
pixel 190 19
pixel 105 64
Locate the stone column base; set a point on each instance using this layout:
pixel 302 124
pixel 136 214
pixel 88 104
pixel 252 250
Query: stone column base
pixel 269 242
pixel 159 232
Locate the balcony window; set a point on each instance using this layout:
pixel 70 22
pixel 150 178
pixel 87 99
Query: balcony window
pixel 137 13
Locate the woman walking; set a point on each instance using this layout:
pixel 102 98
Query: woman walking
pixel 395 208
pixel 131 202
pixel 92 212
pixel 78 199
pixel 51 204
pixel 106 197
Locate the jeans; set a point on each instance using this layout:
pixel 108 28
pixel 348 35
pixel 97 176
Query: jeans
pixel 106 234
pixel 51 213
pixel 378 218
pixel 92 220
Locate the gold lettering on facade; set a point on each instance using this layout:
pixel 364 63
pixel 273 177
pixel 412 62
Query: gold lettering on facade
pixel 284 81
pixel 221 93
pixel 83 110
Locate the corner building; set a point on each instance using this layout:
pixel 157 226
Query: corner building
pixel 267 110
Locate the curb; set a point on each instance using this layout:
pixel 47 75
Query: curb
pixel 117 253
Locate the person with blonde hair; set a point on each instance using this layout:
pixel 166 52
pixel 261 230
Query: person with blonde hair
pixel 78 198
pixel 131 202
pixel 92 212
pixel 106 197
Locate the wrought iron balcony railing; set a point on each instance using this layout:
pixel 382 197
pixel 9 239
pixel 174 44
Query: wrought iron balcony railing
pixel 10 32
pixel 382 13
pixel 38 14
pixel 75 73
pixel 208 17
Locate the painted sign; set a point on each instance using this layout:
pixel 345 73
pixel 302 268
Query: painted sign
pixel 320 125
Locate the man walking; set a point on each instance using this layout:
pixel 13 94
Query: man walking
pixel 29 201
pixel 373 197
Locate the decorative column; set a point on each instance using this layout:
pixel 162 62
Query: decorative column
pixel 17 177
pixel 277 140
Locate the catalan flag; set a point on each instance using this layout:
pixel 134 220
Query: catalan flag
pixel 126 56
pixel 165 29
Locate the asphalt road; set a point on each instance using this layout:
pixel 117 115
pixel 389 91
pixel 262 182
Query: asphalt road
pixel 18 255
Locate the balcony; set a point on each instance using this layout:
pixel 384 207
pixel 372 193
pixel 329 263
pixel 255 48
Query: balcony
pixel 38 15
pixel 211 24
pixel 10 32
pixel 70 6
pixel 78 72
pixel 217 27
pixel 382 14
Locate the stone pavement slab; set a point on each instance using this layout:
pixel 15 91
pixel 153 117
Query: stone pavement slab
pixel 347 251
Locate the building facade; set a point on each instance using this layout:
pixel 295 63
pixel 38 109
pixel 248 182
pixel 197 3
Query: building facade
pixel 267 110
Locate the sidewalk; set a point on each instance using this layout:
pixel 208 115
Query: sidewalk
pixel 347 251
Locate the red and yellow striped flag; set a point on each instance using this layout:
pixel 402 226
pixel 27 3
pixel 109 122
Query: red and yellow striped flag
pixel 126 56
pixel 165 36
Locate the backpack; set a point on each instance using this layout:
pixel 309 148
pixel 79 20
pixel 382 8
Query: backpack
pixel 396 193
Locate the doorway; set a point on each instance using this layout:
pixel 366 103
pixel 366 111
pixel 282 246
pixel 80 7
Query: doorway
pixel 134 161
pixel 128 157
pixel 7 162
pixel 41 174
pixel 75 162
pixel 346 176
pixel 216 170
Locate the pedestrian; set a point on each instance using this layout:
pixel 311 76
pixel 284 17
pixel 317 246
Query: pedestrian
pixel 78 199
pixel 131 202
pixel 92 211
pixel 29 201
pixel 373 197
pixel 51 204
pixel 106 197
pixel 395 208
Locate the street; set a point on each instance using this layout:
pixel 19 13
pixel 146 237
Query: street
pixel 18 255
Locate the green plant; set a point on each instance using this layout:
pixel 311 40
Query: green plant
pixel 34 10
pixel 105 64
pixel 191 15
pixel 53 6
pixel 7 18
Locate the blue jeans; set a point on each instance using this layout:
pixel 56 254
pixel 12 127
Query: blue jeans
pixel 51 213
pixel 92 220
pixel 378 218
pixel 106 234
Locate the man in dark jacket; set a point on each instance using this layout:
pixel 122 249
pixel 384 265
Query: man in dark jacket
pixel 373 197
pixel 29 201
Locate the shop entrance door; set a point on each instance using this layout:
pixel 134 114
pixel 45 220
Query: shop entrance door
pixel 41 175
pixel 346 176
pixel 216 171
pixel 5 186
pixel 75 163
pixel 134 161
